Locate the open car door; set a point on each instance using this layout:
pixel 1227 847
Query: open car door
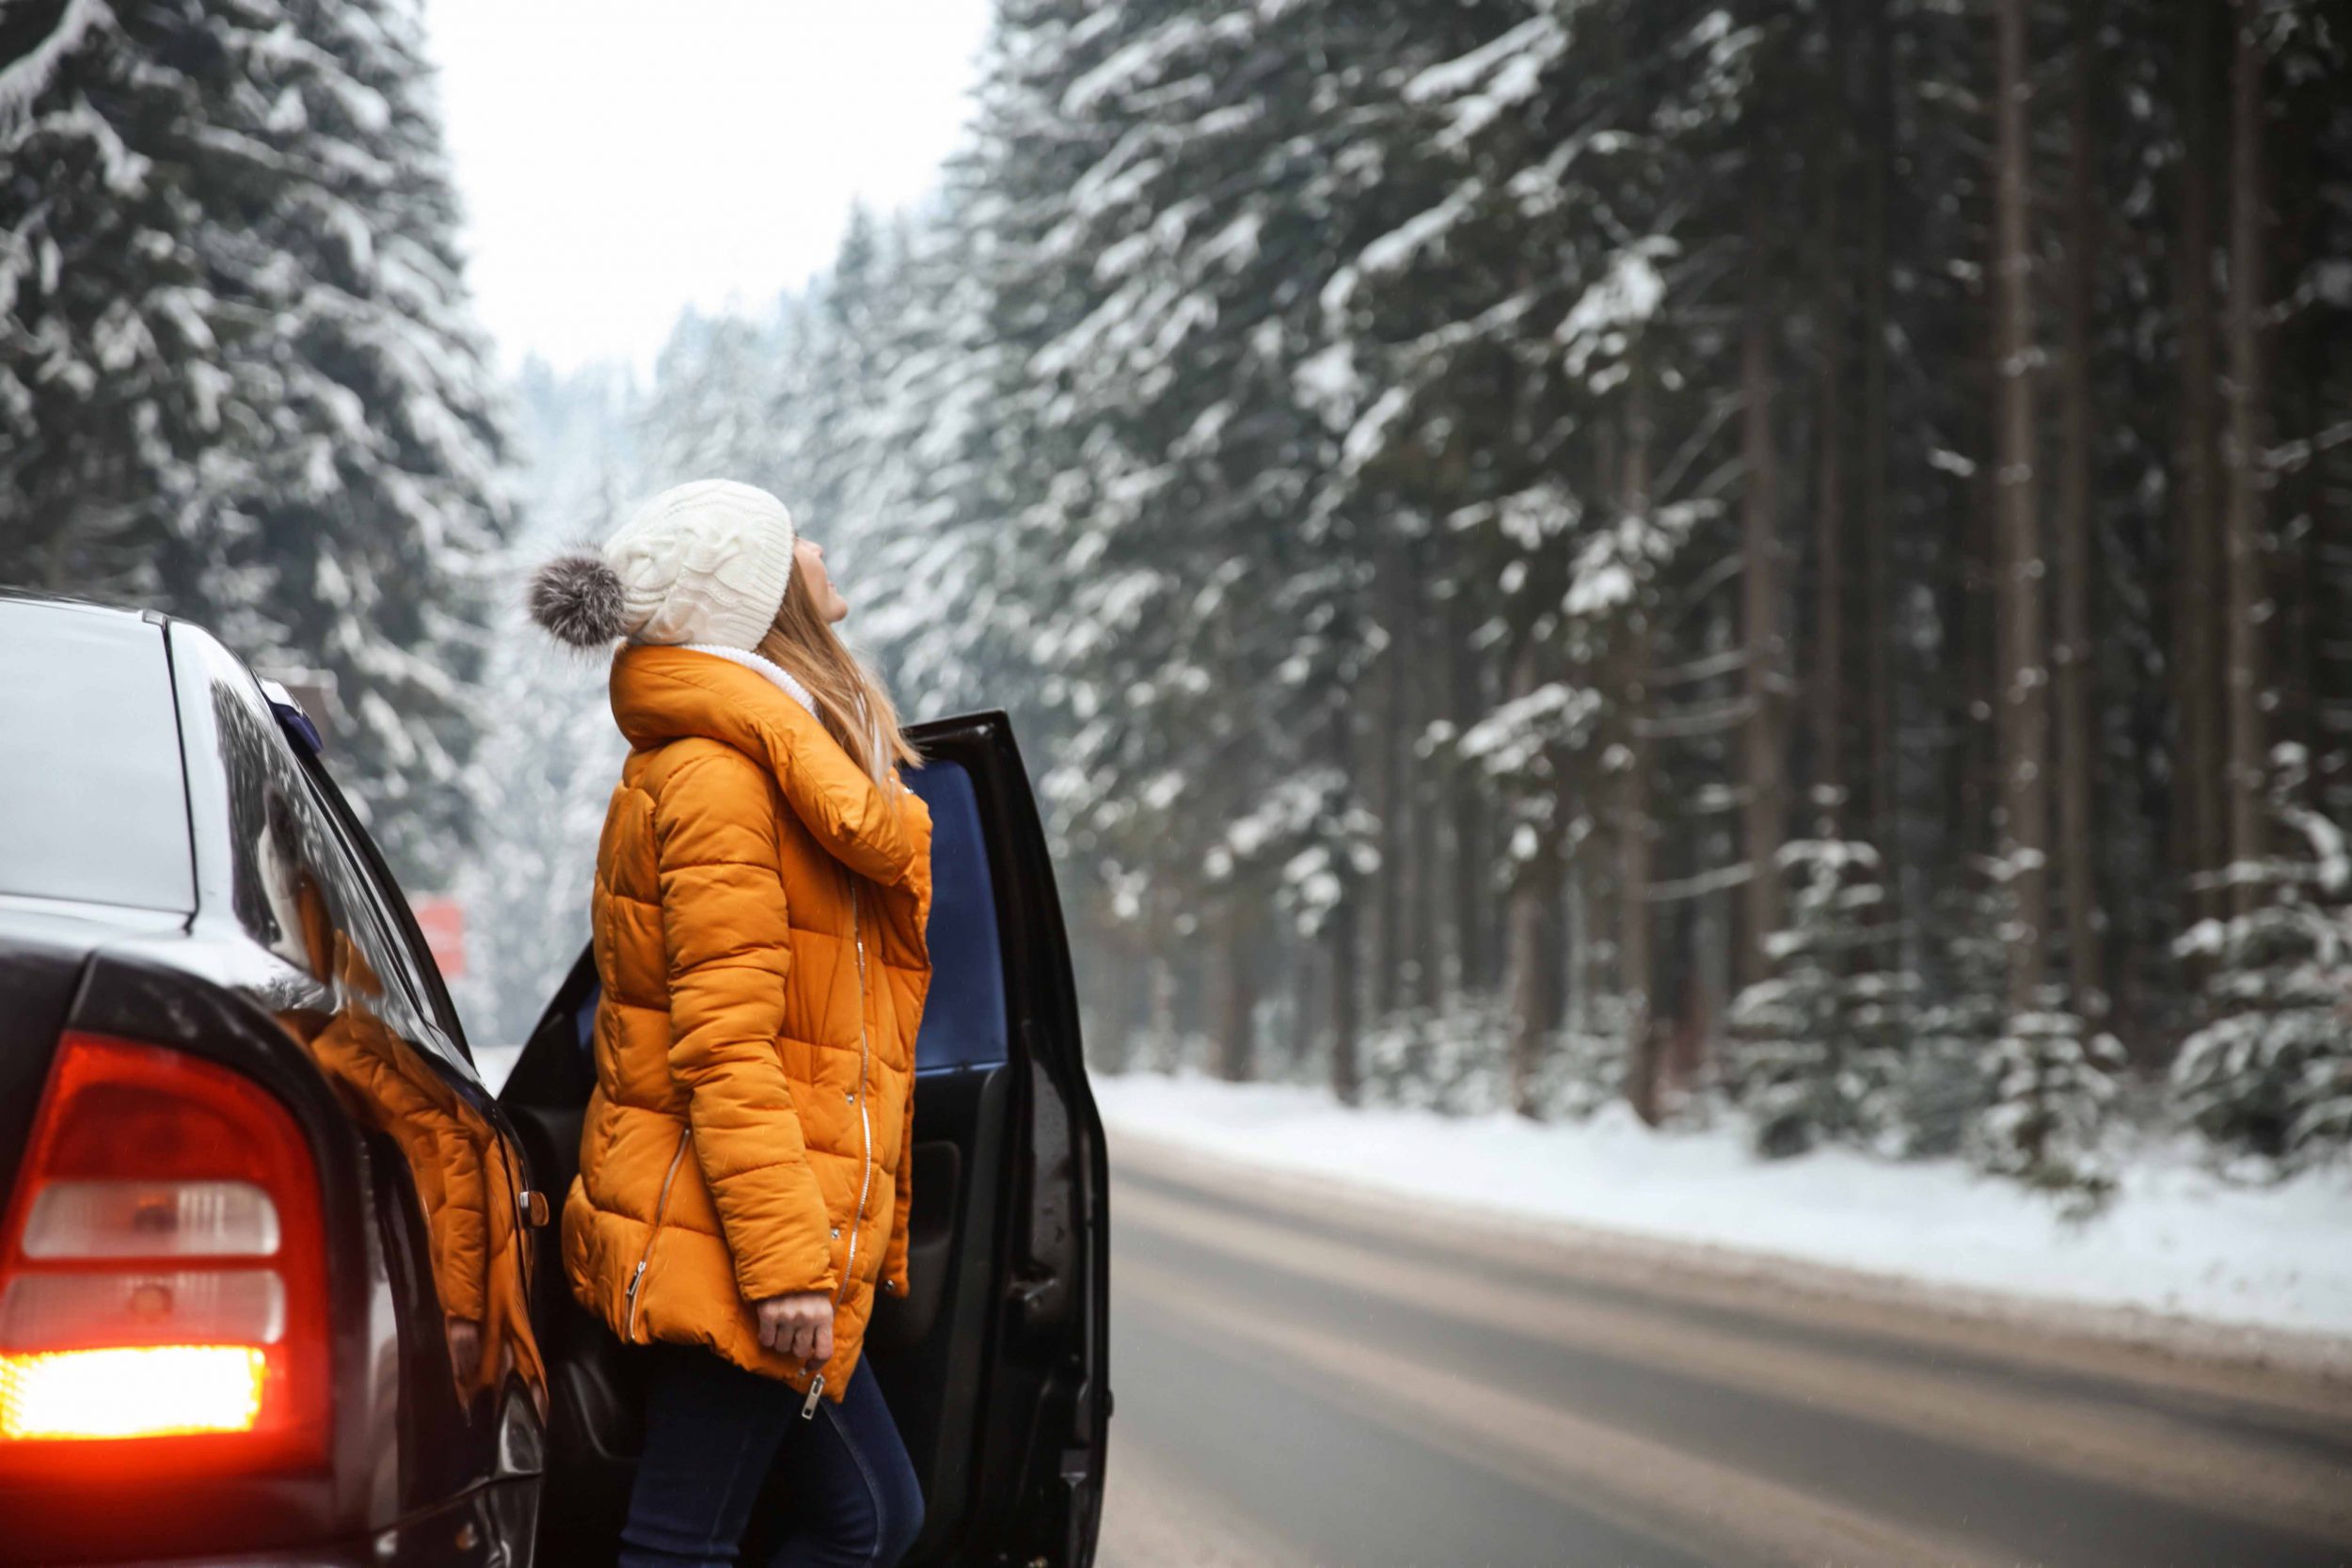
pixel 995 1363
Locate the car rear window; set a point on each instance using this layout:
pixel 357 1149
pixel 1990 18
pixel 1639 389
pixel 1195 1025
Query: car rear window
pixel 93 806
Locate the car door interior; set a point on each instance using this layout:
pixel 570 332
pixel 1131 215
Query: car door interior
pixel 992 1366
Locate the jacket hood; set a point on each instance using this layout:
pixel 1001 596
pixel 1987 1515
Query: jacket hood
pixel 663 692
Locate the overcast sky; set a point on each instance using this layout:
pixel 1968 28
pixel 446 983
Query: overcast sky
pixel 620 160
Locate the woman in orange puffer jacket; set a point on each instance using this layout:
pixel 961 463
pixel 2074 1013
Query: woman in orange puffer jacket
pixel 762 888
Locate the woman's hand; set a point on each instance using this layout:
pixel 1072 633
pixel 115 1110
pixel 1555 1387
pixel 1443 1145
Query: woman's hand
pixel 799 1324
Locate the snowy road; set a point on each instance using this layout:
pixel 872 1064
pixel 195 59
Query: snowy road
pixel 1307 1373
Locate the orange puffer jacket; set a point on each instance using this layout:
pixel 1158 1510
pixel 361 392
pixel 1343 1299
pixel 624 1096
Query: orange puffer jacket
pixel 758 915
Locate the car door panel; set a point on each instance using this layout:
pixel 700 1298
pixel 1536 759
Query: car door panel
pixel 1042 1440
pixel 928 1351
pixel 993 1363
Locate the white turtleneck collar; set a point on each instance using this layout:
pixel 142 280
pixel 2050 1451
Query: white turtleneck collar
pixel 783 679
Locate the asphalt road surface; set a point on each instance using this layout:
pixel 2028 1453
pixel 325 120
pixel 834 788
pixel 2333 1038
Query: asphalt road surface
pixel 1306 1375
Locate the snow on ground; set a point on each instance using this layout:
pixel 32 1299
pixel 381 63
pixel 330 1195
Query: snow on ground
pixel 2177 1240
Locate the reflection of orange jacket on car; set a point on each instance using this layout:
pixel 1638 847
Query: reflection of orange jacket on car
pixel 751 1124
pixel 409 1103
pixel 457 1164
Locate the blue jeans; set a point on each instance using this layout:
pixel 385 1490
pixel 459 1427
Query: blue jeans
pixel 712 1433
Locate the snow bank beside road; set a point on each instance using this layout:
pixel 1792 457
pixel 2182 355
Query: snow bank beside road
pixel 2176 1240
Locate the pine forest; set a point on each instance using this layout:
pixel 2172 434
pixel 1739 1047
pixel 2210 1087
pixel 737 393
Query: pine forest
pixel 1776 561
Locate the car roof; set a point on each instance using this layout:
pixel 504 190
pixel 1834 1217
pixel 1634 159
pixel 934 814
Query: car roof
pixel 23 612
pixel 28 598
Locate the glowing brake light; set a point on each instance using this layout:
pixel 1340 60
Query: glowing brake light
pixel 162 1265
pixel 150 1391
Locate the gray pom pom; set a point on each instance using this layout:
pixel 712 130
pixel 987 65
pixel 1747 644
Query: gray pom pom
pixel 577 597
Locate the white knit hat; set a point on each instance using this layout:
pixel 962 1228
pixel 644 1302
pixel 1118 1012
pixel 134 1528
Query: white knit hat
pixel 705 562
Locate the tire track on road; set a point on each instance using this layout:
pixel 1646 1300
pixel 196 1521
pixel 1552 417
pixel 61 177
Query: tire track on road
pixel 2159 1457
pixel 1723 1513
pixel 1257 1438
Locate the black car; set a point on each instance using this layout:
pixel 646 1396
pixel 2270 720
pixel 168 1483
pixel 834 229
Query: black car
pixel 280 1280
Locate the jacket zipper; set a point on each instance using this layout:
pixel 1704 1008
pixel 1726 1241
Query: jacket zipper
pixel 660 1207
pixel 866 1127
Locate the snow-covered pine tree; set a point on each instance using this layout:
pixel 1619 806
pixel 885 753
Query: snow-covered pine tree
pixel 1504 356
pixel 2047 1083
pixel 1534 756
pixel 112 396
pixel 2031 1094
pixel 829 391
pixel 247 386
pixel 382 502
pixel 2052 1089
pixel 1169 290
pixel 1961 1015
pixel 2268 1076
pixel 1816 1049
pixel 1295 852
pixel 943 607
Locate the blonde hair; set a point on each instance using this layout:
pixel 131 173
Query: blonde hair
pixel 852 703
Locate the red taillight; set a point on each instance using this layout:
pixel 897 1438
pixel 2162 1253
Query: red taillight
pixel 163 1269
pixel 144 1391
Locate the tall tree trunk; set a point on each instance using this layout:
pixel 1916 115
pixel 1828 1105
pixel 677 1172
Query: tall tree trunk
pixel 2078 738
pixel 2244 450
pixel 1473 961
pixel 1979 826
pixel 1831 285
pixel 1635 964
pixel 1309 997
pixel 1878 521
pixel 1577 988
pixel 1763 814
pixel 1162 1050
pixel 1424 909
pixel 1524 937
pixel 1346 939
pixel 1111 1020
pixel 1346 1022
pixel 1387 782
pixel 2022 699
pixel 1637 967
pixel 2198 555
pixel 1237 1032
pixel 1525 957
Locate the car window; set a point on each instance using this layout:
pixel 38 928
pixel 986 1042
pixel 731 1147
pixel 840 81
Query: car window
pixel 94 803
pixel 297 889
pixel 403 943
pixel 389 947
pixel 964 1020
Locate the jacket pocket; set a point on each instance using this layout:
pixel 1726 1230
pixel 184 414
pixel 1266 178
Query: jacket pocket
pixel 661 1206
